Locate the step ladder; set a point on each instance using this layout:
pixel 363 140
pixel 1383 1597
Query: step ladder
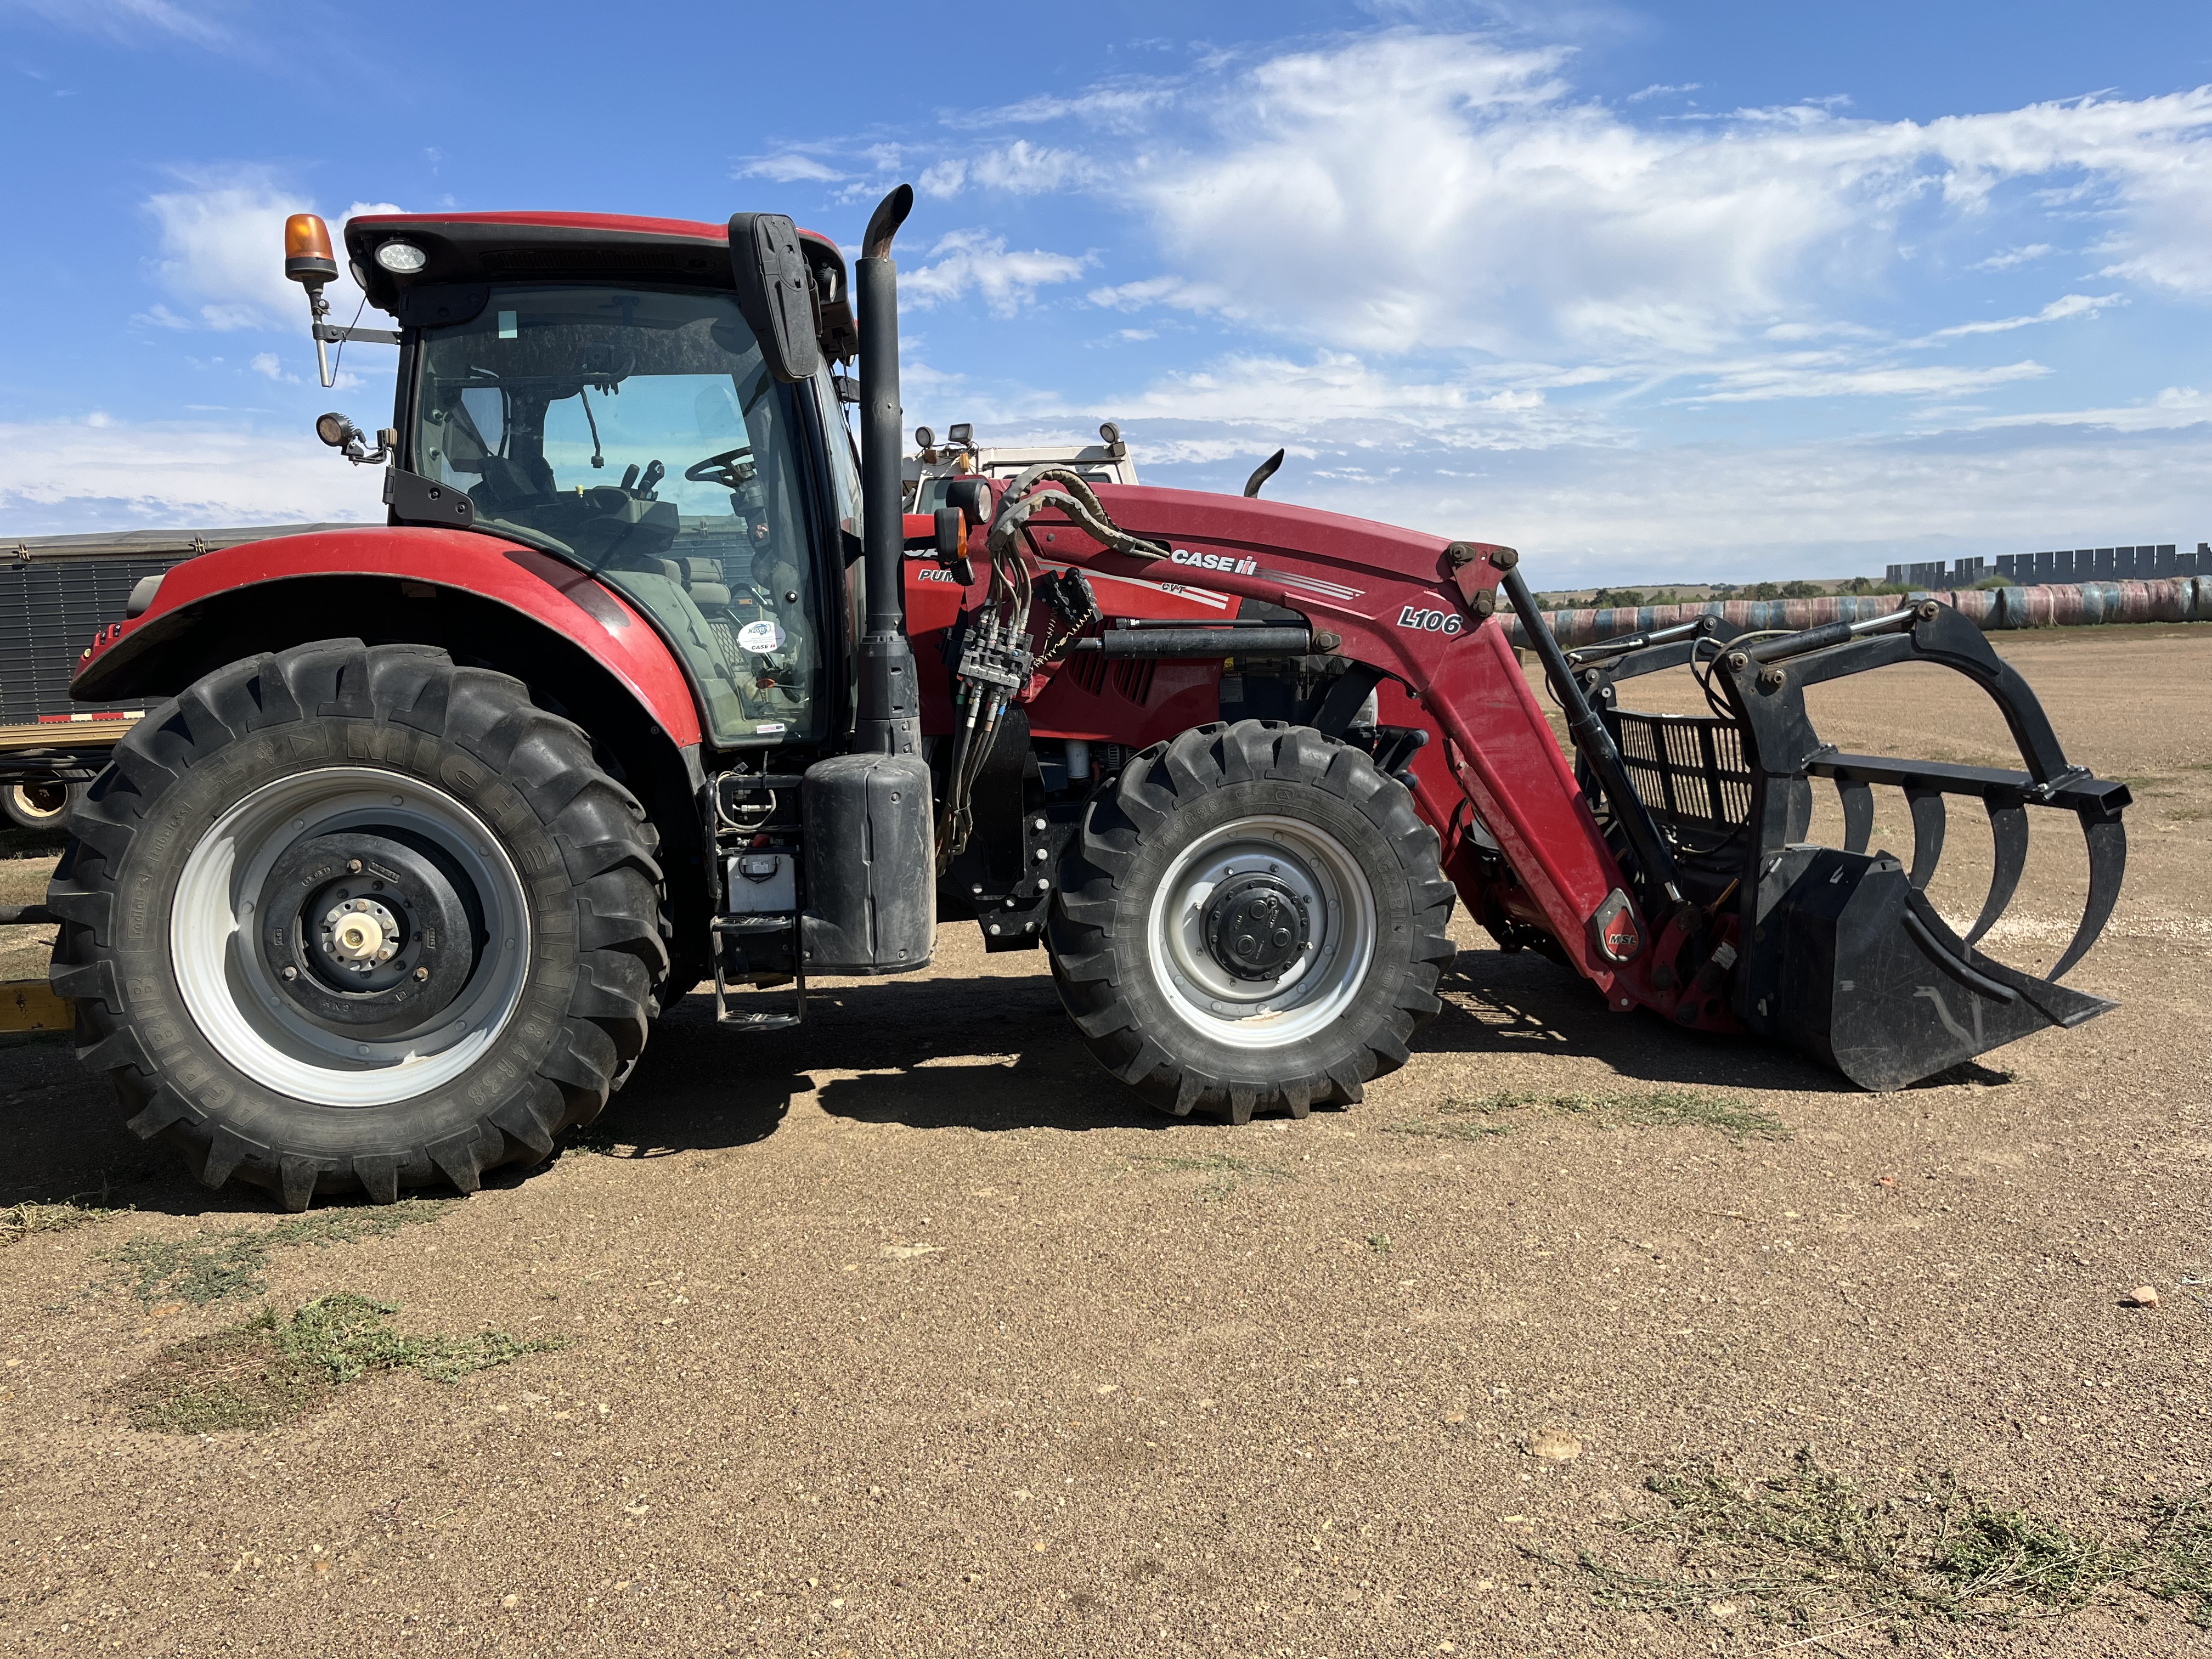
pixel 759 1019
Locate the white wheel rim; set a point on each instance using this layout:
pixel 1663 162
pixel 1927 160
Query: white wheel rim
pixel 229 993
pixel 1317 986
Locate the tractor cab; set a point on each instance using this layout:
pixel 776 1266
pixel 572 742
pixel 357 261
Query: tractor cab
pixel 599 392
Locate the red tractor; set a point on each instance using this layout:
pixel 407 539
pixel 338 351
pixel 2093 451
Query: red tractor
pixel 648 680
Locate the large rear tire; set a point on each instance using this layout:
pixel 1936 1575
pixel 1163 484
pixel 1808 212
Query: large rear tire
pixel 1251 918
pixel 348 917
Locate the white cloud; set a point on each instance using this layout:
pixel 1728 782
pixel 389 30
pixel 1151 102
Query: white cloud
pixel 943 179
pixel 1760 382
pixel 65 475
pixel 1121 108
pixel 1171 291
pixel 223 252
pixel 1661 92
pixel 136 23
pixel 1727 512
pixel 2175 406
pixel 2073 305
pixel 270 366
pixel 1418 191
pixel 787 169
pixel 1027 169
pixel 2011 257
pixel 967 261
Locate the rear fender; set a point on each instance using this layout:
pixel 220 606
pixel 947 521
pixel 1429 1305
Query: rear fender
pixel 161 652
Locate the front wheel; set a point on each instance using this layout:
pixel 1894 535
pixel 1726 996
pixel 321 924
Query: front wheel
pixel 1252 917
pixel 349 917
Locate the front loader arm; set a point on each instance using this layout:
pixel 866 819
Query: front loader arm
pixel 1417 608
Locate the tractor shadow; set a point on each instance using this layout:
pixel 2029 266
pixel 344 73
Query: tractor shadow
pixel 696 1088
pixel 990 1054
pixel 64 1139
pixel 1498 1002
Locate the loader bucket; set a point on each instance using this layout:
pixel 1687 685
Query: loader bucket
pixel 1841 952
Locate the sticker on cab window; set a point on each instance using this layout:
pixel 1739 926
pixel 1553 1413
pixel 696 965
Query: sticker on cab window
pixel 762 636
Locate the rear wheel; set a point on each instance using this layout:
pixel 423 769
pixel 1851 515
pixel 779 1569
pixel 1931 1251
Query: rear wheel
pixel 1252 918
pixel 346 917
pixel 39 805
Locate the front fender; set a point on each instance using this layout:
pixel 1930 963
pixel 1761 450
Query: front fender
pixel 131 659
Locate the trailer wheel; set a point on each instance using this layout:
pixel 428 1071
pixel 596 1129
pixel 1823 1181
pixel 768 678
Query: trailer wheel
pixel 1251 918
pixel 348 917
pixel 38 806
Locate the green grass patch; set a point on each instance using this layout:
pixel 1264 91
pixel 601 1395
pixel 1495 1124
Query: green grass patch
pixel 19 1221
pixel 266 1371
pixel 1225 1174
pixel 216 1263
pixel 1662 1109
pixel 2177 1567
pixel 1450 1128
pixel 1805 1549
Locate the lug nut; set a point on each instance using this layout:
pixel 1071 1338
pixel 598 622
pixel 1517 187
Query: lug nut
pixel 353 866
pixel 422 973
pixel 291 973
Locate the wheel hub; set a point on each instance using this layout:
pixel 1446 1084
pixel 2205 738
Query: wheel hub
pixel 371 930
pixel 1257 926
pixel 360 932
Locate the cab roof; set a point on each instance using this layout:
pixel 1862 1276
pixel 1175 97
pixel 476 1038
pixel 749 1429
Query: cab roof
pixel 466 249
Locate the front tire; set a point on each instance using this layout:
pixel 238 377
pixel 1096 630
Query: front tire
pixel 348 917
pixel 1251 918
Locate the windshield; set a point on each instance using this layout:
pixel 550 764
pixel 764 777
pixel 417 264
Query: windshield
pixel 640 433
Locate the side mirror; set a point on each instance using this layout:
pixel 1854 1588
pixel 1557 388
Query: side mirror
pixel 776 292
pixel 951 548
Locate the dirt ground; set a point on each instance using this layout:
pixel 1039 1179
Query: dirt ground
pixel 911 1333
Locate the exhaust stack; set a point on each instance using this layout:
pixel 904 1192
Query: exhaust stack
pixel 890 709
pixel 870 841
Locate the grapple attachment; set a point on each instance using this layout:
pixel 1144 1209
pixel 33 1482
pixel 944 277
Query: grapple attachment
pixel 1839 950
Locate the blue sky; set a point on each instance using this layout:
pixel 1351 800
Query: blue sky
pixel 1653 291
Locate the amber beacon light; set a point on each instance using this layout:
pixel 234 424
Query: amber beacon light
pixel 309 261
pixel 307 256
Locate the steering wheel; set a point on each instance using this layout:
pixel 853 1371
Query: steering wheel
pixel 722 469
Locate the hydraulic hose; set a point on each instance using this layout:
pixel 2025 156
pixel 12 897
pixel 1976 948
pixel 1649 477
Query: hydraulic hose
pixel 1662 893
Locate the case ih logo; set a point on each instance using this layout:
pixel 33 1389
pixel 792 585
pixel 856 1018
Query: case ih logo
pixel 1430 621
pixel 1229 562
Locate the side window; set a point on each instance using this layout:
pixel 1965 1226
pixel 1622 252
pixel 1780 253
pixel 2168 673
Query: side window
pixel 844 457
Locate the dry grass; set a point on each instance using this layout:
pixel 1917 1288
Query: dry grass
pixel 19 1221
pixel 216 1263
pixel 1807 1550
pixel 1663 1108
pixel 264 1371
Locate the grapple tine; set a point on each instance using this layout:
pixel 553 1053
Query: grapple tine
pixel 1858 814
pixel 2008 833
pixel 2108 859
pixel 1927 820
